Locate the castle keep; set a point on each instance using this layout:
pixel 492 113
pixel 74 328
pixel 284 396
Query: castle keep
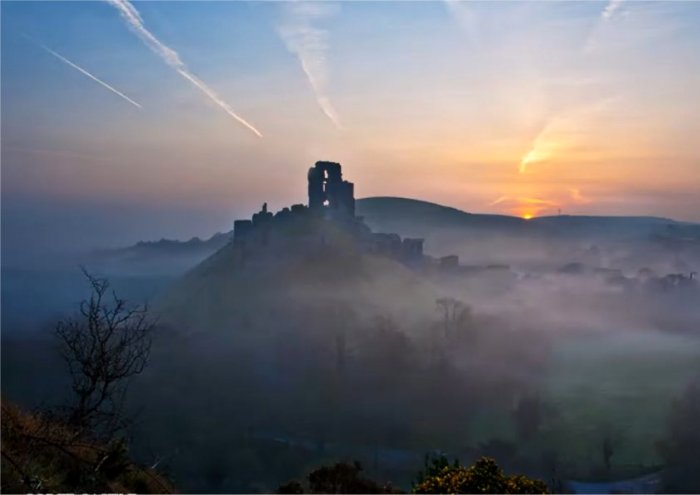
pixel 327 224
pixel 328 189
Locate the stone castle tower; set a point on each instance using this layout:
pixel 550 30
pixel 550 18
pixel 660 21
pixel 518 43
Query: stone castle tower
pixel 327 188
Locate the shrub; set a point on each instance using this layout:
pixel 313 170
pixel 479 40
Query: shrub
pixel 341 477
pixel 484 476
pixel 42 454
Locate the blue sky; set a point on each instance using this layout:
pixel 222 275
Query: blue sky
pixel 512 107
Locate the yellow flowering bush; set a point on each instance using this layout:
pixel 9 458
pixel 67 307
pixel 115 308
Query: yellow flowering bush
pixel 484 476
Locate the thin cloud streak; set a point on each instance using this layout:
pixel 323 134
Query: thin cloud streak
pixel 91 76
pixel 539 151
pixel 309 44
pixel 524 206
pixel 59 154
pixel 462 13
pixel 172 58
pixel 562 132
pixel 610 9
pixel 578 197
pixel 499 201
pixel 605 16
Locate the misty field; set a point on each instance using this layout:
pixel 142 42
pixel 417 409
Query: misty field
pixel 620 385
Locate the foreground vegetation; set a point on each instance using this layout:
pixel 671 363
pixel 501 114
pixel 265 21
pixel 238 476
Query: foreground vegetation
pixel 80 447
pixel 327 385
pixel 439 476
pixel 43 454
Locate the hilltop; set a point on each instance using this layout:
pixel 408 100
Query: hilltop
pixel 218 293
pixel 444 228
pixel 302 260
pixel 420 216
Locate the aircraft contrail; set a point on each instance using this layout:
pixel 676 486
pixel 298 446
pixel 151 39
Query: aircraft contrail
pixel 499 200
pixel 610 9
pixel 465 16
pixel 540 149
pixel 606 15
pixel 309 45
pixel 94 78
pixel 172 58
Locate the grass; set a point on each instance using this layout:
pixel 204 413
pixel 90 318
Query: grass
pixel 622 384
pixel 42 454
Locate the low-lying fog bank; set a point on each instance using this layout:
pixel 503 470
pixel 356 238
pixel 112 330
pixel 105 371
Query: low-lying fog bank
pixel 537 349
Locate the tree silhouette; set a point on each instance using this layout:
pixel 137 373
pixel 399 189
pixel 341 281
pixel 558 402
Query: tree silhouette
pixel 104 346
pixel 682 443
pixel 527 416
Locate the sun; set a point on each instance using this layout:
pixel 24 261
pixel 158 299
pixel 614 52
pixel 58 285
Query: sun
pixel 527 216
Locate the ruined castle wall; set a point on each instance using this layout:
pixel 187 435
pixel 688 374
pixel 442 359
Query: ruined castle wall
pixel 326 228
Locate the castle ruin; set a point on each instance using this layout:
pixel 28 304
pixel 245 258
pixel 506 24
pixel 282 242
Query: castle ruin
pixel 328 223
pixel 328 189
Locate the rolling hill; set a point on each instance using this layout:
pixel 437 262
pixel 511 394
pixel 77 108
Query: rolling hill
pixel 446 230
pixel 219 294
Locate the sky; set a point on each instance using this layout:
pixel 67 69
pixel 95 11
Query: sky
pixel 127 121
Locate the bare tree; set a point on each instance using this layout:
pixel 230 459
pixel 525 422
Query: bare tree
pixel 105 345
pixel 455 316
pixel 611 439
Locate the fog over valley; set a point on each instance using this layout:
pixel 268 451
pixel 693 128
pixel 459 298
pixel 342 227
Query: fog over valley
pixel 446 246
pixel 534 341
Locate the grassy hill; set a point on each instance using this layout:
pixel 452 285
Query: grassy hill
pixel 166 256
pixel 397 214
pixel 41 454
pixel 415 218
pixel 219 294
pixel 446 230
pixel 392 209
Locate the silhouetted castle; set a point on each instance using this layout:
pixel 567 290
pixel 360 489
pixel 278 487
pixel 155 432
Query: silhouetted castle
pixel 328 189
pixel 327 224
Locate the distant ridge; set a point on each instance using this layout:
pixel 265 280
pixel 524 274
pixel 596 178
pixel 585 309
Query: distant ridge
pixel 414 218
pixel 379 207
pixel 172 246
pixel 388 205
pixel 166 256
pixel 607 218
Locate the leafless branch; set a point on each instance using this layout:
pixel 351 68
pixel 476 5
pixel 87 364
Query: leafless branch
pixel 105 345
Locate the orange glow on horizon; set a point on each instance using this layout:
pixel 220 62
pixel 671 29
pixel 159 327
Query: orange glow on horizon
pixel 527 216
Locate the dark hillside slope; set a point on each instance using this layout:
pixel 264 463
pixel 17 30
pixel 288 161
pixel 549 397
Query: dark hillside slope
pixel 479 238
pixel 383 213
pixel 218 294
pixel 499 239
pixel 165 256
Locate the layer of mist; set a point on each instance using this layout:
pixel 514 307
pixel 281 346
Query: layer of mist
pixel 551 337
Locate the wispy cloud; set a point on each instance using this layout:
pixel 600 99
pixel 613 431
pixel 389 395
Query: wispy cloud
pixel 525 206
pixel 610 9
pixel 310 45
pixel 541 149
pixel 607 14
pixel 538 201
pixel 172 58
pixel 57 153
pixel 465 17
pixel 578 197
pixel 564 132
pixel 91 76
pixel 499 201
